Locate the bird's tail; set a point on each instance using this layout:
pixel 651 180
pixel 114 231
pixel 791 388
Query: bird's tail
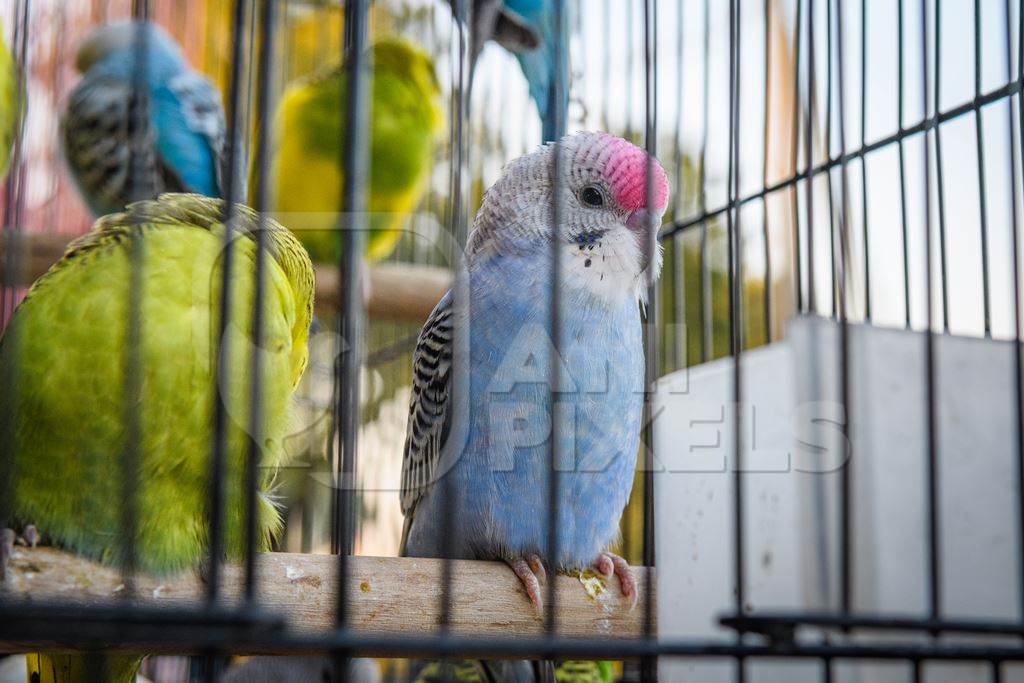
pixel 48 667
pixel 541 68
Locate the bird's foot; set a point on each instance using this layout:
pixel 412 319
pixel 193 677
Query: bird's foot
pixel 530 570
pixel 610 563
pixel 29 536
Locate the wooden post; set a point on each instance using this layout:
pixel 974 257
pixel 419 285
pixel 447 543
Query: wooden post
pixel 781 165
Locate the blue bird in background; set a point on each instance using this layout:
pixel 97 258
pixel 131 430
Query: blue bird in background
pixel 182 140
pixel 541 65
pixel 529 30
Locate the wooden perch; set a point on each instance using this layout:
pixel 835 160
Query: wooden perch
pixel 397 291
pixel 386 594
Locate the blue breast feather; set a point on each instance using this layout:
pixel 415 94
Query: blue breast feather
pixel 502 462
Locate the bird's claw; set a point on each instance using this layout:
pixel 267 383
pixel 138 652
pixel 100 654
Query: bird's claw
pixel 30 536
pixel 530 570
pixel 610 563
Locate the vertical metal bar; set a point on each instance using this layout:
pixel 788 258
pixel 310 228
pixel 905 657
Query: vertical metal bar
pixel 931 436
pixel 94 669
pixel 794 147
pixel 996 670
pixel 15 173
pixel 554 363
pixel 845 554
pixel 353 234
pixel 678 287
pixel 12 271
pixel 247 97
pixel 265 87
pixel 606 61
pixel 812 289
pixel 628 63
pixel 828 158
pixel 138 188
pixel 649 664
pixel 864 160
pixel 352 223
pixel 457 231
pixel 56 188
pixel 902 164
pixel 938 168
pixel 766 233
pixel 1018 355
pixel 706 293
pixel 223 357
pixel 982 195
pixel 735 279
pixel 460 100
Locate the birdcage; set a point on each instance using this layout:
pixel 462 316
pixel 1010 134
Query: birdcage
pixel 830 481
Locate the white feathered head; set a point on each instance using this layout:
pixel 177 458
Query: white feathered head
pixel 613 195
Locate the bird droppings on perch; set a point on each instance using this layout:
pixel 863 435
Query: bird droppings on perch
pixel 386 594
pixel 593 583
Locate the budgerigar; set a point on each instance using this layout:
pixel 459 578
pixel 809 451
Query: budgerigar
pixel 65 353
pixel 181 144
pixel 529 30
pixel 306 172
pixel 478 423
pixel 10 104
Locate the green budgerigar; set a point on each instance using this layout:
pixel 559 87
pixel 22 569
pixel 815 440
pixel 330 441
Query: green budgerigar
pixel 64 353
pixel 306 174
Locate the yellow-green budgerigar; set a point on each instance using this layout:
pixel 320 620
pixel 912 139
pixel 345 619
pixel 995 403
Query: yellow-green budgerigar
pixel 65 353
pixel 10 103
pixel 306 173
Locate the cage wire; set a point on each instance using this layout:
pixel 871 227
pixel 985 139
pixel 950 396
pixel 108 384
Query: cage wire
pixel 856 161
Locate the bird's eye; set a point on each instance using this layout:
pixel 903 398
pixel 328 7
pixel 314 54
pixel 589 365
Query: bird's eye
pixel 592 196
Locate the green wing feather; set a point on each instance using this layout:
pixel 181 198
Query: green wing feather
pixel 64 354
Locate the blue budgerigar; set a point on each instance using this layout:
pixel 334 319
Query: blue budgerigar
pixel 529 30
pixel 479 415
pixel 541 65
pixel 182 138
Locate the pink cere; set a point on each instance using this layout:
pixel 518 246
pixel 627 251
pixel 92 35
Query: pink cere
pixel 626 172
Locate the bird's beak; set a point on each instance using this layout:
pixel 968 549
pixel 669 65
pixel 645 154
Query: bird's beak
pixel 643 224
pixel 640 221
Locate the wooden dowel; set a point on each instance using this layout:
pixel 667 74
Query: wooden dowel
pixel 397 291
pixel 386 594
